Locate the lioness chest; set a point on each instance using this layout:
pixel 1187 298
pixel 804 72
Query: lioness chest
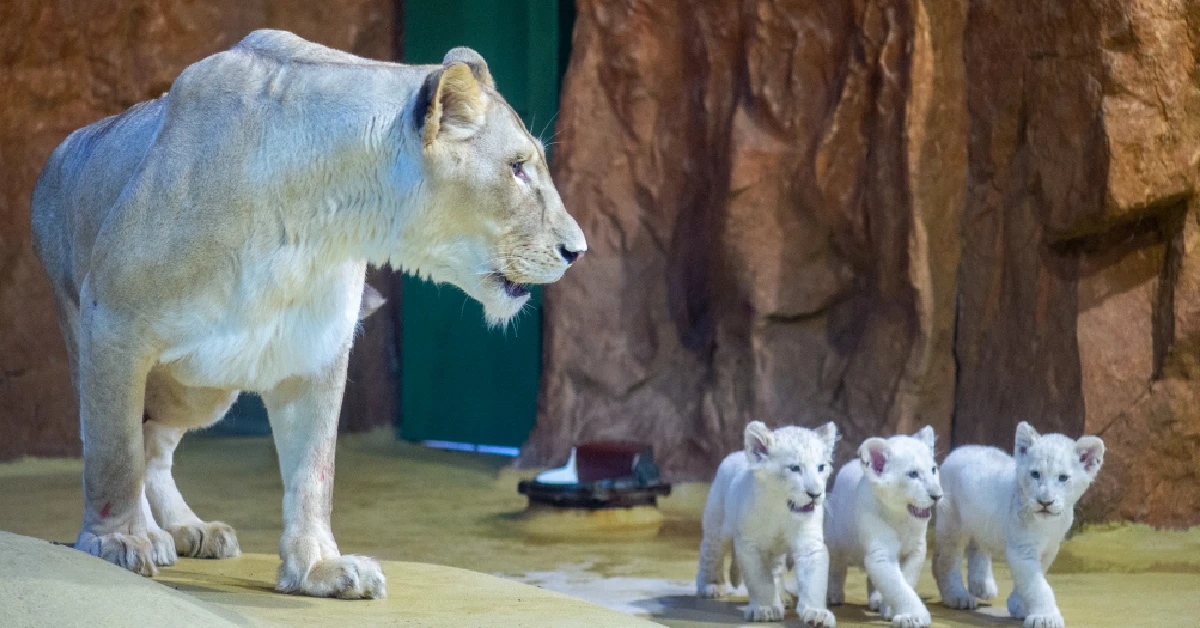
pixel 282 318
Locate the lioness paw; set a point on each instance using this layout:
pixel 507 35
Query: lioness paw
pixel 1054 620
pixel 712 591
pixel 347 577
pixel 763 612
pixel 817 617
pixel 962 601
pixel 920 619
pixel 134 553
pixel 206 540
pixel 162 547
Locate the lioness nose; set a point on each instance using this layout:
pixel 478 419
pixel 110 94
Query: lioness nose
pixel 568 255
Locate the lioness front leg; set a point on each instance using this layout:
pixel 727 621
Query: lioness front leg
pixel 192 536
pixel 304 416
pixel 112 381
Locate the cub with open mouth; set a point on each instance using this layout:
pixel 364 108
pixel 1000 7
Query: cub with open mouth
pixel 765 508
pixel 879 511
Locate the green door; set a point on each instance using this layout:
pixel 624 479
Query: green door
pixel 461 382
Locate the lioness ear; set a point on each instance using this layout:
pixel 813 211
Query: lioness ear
pixel 455 104
pixel 874 454
pixel 371 301
pixel 1026 437
pixel 757 441
pixel 829 434
pixel 1091 454
pixel 478 66
pixel 926 435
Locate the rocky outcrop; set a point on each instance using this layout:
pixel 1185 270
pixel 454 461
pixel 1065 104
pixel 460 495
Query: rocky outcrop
pixel 884 213
pixel 65 65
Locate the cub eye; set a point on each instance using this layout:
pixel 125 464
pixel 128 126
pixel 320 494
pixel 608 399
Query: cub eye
pixel 1035 475
pixel 794 468
pixel 934 470
pixel 1063 478
pixel 914 474
pixel 820 468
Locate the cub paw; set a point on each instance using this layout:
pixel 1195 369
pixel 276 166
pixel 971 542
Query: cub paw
pixel 346 577
pixel 875 601
pixel 985 590
pixel 1016 606
pixel 134 553
pixel 760 612
pixel 962 601
pixel 206 540
pixel 817 617
pixel 836 597
pixel 162 547
pixel 711 590
pixel 1054 620
pixel 919 619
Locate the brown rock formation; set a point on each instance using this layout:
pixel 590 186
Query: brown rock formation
pixel 884 213
pixel 65 65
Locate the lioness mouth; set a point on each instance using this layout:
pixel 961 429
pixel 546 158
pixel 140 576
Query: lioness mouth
pixel 809 507
pixel 920 513
pixel 512 288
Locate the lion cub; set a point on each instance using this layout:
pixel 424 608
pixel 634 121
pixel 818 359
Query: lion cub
pixel 879 510
pixel 765 506
pixel 1020 507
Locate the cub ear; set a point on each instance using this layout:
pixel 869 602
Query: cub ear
pixel 757 441
pixel 478 66
pixel 875 453
pixel 454 104
pixel 926 435
pixel 1026 437
pixel 1090 450
pixel 829 434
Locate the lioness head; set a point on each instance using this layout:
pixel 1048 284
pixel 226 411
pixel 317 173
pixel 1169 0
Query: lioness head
pixel 795 460
pixel 1053 471
pixel 495 223
pixel 903 473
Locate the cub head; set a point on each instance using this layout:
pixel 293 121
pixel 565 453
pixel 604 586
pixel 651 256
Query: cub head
pixel 795 461
pixel 1053 471
pixel 903 473
pixel 494 222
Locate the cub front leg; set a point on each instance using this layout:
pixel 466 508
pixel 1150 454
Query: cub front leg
pixel 1032 598
pixel 759 574
pixel 812 582
pixel 304 415
pixel 899 599
pixel 112 380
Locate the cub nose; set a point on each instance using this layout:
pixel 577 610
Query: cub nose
pixel 814 495
pixel 1045 503
pixel 568 255
pixel 935 498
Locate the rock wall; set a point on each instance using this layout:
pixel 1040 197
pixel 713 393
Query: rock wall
pixel 66 64
pixel 884 213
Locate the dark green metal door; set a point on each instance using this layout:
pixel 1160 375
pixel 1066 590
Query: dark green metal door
pixel 459 381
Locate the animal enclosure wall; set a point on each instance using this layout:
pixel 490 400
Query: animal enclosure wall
pixel 64 65
pixel 885 213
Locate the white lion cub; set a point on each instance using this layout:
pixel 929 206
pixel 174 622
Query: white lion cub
pixel 1020 508
pixel 879 511
pixel 765 506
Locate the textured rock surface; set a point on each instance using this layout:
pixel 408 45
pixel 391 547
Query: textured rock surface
pixel 65 65
pixel 884 213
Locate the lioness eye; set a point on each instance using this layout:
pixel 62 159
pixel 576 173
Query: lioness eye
pixel 1035 475
pixel 914 474
pixel 1063 478
pixel 794 468
pixel 518 168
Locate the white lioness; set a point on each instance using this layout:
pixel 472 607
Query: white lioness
pixel 1019 507
pixel 214 240
pixel 879 511
pixel 765 506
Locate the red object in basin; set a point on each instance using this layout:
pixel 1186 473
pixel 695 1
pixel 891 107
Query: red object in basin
pixel 606 460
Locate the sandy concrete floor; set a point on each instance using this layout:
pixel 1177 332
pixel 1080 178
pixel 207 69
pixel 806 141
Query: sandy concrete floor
pixel 401 502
